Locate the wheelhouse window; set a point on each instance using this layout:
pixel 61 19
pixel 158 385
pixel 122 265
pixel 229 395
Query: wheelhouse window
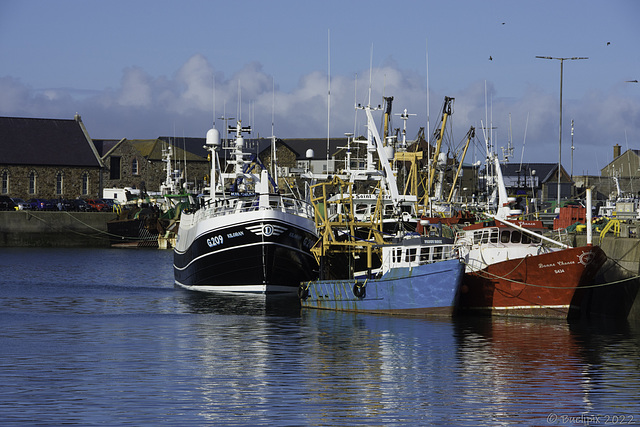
pixel 411 254
pixel 5 182
pixel 388 210
pixel 32 182
pixel 59 183
pixel 424 254
pixel 397 255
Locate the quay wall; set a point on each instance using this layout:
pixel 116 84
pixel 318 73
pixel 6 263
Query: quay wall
pixel 616 285
pixel 54 229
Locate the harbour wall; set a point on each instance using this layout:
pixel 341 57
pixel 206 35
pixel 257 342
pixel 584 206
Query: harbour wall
pixel 54 229
pixel 615 288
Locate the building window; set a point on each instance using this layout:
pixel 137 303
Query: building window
pixel 32 182
pixel 59 183
pixel 5 182
pixel 114 167
pixel 134 167
pixel 85 183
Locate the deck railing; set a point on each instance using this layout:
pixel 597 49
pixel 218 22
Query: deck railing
pixel 240 204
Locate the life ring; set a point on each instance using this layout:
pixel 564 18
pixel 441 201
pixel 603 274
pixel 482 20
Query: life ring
pixel 360 290
pixel 303 291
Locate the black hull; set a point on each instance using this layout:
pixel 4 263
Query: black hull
pixel 246 260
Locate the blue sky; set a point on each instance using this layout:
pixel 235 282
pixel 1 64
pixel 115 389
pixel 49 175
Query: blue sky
pixel 142 69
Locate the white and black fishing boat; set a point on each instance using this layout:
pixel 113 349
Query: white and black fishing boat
pixel 244 236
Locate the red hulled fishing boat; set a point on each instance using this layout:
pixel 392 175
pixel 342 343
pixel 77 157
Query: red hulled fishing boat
pixel 513 270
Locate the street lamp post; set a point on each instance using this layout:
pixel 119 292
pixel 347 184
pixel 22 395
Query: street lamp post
pixel 560 142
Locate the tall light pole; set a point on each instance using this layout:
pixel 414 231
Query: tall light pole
pixel 560 142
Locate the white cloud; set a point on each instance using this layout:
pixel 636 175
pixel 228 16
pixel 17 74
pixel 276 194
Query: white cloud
pixel 144 106
pixel 136 90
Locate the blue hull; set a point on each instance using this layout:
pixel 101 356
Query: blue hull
pixel 429 289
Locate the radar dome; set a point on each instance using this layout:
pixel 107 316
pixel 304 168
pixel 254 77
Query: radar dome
pixel 309 154
pixel 213 137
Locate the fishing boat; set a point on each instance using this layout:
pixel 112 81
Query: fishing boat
pixel 148 220
pixel 512 269
pixel 363 268
pixel 244 236
pixel 417 276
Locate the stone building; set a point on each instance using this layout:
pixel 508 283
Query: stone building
pixel 142 164
pixel 48 158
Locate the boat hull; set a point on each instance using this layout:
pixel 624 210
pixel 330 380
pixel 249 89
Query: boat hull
pixel 546 285
pixel 259 252
pixel 425 290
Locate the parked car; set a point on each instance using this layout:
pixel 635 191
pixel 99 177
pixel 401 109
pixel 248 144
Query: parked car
pixel 6 204
pixel 109 202
pixel 63 204
pixel 80 205
pixel 21 205
pixel 41 204
pixel 97 205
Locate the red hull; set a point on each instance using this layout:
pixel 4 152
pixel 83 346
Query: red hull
pixel 545 285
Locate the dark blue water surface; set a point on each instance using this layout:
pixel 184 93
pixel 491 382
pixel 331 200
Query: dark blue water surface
pixel 101 336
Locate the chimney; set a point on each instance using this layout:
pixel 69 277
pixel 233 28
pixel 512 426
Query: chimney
pixel 616 151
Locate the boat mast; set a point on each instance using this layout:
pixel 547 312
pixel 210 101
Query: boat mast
pixel 213 143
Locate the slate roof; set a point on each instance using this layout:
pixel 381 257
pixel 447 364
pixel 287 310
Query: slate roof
pixel 195 146
pixel 44 142
pixel 544 171
pixel 318 145
pixel 104 145
pixel 191 145
pixel 151 149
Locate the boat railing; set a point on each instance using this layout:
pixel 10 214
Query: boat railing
pixel 235 205
pixel 413 256
pixel 474 264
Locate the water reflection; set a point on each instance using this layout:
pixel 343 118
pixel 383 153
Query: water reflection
pixel 377 369
pixel 530 367
pixel 240 304
pixel 137 350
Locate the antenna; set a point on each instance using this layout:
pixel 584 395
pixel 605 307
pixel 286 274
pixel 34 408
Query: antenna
pixel 355 104
pixel 273 105
pixel 214 100
pixel 573 148
pixel 524 141
pixel 328 94
pixel 428 125
pixel 239 102
pixel 370 73
pixel 273 135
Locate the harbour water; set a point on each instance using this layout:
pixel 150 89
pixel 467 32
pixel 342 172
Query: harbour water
pixel 102 336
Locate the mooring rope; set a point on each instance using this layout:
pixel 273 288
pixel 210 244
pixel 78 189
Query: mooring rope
pixel 488 275
pixel 102 232
pixel 58 228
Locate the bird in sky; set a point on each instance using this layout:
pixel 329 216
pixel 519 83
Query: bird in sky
pixel 608 43
pixel 632 81
pixel 490 58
